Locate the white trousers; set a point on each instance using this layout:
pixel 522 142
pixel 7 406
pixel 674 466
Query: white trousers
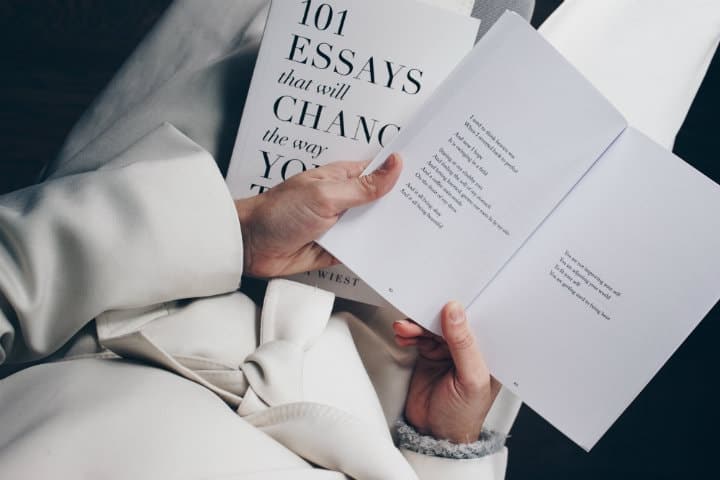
pixel 648 57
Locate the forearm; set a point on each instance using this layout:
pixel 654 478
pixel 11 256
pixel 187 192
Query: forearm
pixel 156 224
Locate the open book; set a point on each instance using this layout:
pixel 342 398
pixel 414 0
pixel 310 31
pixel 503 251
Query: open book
pixel 336 80
pixel 584 252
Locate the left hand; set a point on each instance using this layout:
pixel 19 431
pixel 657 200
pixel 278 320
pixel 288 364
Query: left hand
pixel 451 390
pixel 280 226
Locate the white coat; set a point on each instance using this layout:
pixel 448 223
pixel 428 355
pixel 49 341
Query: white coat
pixel 119 277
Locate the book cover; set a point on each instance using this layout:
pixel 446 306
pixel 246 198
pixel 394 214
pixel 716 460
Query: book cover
pixel 337 80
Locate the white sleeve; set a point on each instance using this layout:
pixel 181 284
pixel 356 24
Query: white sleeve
pixel 490 467
pixel 155 224
pixel 432 458
pixel 500 419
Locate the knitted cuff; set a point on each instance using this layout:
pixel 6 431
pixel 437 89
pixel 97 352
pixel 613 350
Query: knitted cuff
pixel 408 438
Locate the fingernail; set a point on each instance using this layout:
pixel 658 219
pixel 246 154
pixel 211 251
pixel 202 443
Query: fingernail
pixel 457 313
pixel 389 163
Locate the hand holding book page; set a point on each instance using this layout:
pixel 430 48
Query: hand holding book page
pixel 585 252
pixel 493 151
pixel 603 293
pixel 336 80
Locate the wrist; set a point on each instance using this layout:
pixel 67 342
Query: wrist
pixel 488 442
pixel 455 428
pixel 244 208
pixel 459 433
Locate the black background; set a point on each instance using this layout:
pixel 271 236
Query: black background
pixel 56 56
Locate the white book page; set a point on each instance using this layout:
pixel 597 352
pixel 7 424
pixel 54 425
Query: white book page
pixel 488 157
pixel 336 80
pixel 597 300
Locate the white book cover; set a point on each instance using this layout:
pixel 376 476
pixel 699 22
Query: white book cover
pixel 337 80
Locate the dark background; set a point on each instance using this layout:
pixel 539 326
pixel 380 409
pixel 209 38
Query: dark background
pixel 56 56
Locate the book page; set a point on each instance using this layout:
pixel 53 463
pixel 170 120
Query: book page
pixel 336 80
pixel 602 294
pixel 488 157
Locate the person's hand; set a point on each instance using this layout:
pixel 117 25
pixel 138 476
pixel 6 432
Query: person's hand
pixel 451 390
pixel 279 227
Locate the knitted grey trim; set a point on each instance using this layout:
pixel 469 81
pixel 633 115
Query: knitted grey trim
pixel 408 438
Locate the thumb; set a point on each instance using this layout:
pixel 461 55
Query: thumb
pixel 359 190
pixel 469 363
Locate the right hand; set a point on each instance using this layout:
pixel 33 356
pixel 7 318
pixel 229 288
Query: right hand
pixel 451 390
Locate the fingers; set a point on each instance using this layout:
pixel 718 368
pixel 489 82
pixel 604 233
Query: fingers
pixel 408 329
pixel 309 259
pixel 407 333
pixel 322 259
pixel 469 363
pixel 405 341
pixel 359 189
pixel 343 170
pixel 429 345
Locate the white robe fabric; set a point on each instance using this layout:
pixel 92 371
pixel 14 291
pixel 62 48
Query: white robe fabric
pixel 134 216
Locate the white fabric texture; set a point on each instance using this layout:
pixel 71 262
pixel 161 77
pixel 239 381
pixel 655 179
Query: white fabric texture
pixel 303 384
pixel 66 242
pixel 134 218
pixel 648 57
